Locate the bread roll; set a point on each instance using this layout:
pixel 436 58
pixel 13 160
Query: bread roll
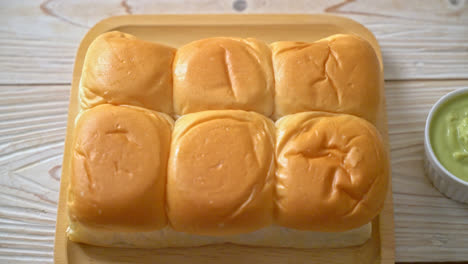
pixel 242 140
pixel 339 74
pixel 223 73
pixel 221 171
pixel 332 168
pixel 118 168
pixel 121 69
pixel 332 172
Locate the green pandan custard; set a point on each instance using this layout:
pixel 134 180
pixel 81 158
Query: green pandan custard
pixel 449 135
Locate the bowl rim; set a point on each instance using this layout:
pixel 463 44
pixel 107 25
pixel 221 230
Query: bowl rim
pixel 429 149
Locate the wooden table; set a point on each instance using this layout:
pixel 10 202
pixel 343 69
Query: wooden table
pixel 425 50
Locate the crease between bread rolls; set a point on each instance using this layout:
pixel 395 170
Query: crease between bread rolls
pixel 223 73
pixel 338 74
pixel 332 172
pixel 118 168
pixel 221 172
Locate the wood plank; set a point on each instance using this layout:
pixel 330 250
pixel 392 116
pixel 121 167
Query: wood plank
pixel 419 39
pixel 428 226
pixel 32 132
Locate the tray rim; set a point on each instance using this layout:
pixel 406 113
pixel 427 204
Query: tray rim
pixel 384 224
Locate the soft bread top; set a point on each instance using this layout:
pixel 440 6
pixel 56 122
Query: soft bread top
pixel 221 173
pixel 332 172
pixel 223 73
pixel 332 167
pixel 118 168
pixel 121 69
pixel 339 74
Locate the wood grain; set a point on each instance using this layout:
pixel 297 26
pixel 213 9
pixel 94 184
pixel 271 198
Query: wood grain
pixel 428 226
pixel 32 131
pixel 421 40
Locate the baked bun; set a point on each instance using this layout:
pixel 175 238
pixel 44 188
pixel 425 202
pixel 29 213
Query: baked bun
pixel 118 168
pixel 121 69
pixel 223 73
pixel 221 173
pixel 332 172
pixel 338 74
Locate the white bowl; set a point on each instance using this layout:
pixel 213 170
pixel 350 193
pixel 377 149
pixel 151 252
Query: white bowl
pixel 447 183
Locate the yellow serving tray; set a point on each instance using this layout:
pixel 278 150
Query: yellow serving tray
pixel 176 30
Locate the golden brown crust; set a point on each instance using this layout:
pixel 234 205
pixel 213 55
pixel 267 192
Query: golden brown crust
pixel 223 73
pixel 118 168
pixel 221 172
pixel 123 70
pixel 332 171
pixel 338 74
